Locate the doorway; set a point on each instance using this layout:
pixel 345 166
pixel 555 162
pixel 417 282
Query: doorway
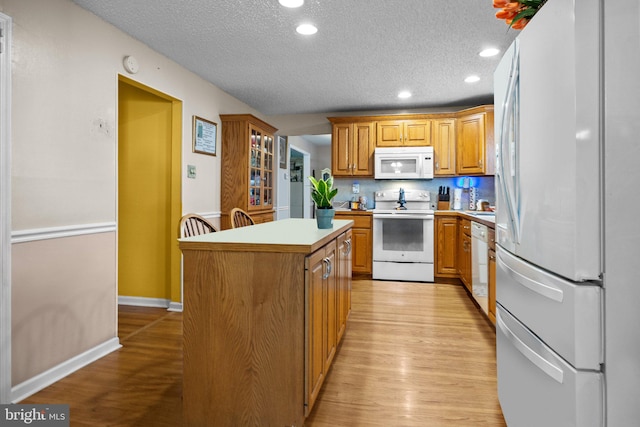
pixel 300 187
pixel 149 200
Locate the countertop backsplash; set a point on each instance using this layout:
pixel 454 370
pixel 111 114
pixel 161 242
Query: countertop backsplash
pixel 368 187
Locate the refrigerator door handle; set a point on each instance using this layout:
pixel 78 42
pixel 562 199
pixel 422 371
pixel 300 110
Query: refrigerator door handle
pixel 534 285
pixel 505 176
pixel 543 364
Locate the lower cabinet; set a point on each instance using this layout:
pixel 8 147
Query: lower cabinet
pixel 464 252
pixel 362 241
pixel 328 305
pixel 446 246
pixel 262 322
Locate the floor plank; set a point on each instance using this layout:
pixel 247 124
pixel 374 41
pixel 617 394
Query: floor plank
pixel 414 354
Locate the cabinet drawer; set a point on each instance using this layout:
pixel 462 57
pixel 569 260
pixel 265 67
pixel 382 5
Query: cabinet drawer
pixel 359 221
pixel 465 225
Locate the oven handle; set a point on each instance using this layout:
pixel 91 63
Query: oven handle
pixel 403 216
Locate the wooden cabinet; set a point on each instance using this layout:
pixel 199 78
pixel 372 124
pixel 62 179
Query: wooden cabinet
pixel 329 305
pixel 475 149
pixel 343 277
pixel 352 146
pixel 492 276
pixel 446 246
pixel 464 252
pixel 321 325
pixel 444 147
pixel 261 321
pixel 361 241
pixel 399 133
pixel 247 176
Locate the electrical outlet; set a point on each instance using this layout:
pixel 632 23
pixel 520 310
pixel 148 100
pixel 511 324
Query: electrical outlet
pixel 191 171
pixel 355 188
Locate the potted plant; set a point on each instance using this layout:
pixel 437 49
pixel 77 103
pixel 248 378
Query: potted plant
pixel 322 194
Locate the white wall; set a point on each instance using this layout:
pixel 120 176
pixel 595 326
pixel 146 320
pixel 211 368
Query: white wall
pixel 65 66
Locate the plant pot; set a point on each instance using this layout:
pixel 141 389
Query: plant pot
pixel 324 218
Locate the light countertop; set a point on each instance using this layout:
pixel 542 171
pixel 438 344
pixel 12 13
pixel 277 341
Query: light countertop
pixel 287 235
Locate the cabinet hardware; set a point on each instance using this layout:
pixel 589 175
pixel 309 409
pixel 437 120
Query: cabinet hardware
pixel 437 165
pixel 327 263
pixel 348 243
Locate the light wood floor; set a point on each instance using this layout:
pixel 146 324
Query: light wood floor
pixel 413 355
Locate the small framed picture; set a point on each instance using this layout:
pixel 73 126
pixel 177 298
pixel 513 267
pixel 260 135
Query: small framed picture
pixel 283 147
pixel 205 136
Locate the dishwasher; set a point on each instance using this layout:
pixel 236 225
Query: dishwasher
pixel 479 263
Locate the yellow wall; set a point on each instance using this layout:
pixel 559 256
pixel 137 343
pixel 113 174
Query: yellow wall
pixel 147 229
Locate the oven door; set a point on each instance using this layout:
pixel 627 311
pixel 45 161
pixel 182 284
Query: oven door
pixel 403 238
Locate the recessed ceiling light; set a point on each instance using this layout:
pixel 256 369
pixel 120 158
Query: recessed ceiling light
pixel 472 79
pixel 291 3
pixel 404 94
pixel 492 51
pixel 306 29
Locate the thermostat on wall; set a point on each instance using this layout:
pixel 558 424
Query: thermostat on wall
pixel 131 64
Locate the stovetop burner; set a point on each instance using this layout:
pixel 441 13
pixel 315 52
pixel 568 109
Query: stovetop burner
pixel 403 201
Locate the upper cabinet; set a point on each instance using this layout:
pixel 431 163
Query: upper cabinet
pixel 352 145
pixel 462 141
pixel 444 147
pixel 248 148
pixel 403 133
pixel 475 149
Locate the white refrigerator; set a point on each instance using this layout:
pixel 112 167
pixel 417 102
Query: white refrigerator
pixel 567 127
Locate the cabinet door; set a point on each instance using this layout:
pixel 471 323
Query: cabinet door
pixel 417 133
pixel 471 144
pixel 261 156
pixel 444 147
pixel 343 282
pixel 446 246
pixel 330 329
pixel 363 147
pixel 341 145
pixel 315 327
pixel 389 133
pixel 466 274
pixel 362 250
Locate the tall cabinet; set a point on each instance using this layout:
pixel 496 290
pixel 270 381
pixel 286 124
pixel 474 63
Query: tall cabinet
pixel 247 178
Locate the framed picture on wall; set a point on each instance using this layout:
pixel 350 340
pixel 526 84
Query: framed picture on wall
pixel 205 135
pixel 283 146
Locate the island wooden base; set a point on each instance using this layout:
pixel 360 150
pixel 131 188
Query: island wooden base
pixel 265 307
pixel 244 345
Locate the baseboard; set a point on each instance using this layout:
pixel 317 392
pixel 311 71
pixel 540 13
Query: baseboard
pixel 144 302
pixel 45 379
pixel 175 306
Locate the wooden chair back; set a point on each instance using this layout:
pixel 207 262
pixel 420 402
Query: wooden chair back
pixel 195 225
pixel 240 218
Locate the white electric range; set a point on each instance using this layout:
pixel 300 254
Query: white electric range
pixel 403 230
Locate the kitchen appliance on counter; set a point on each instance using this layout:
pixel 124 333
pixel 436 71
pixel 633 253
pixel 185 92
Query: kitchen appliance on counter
pixel 566 355
pixel 403 230
pixel 403 163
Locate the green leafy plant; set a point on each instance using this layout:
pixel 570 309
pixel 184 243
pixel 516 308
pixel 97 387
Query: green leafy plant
pixel 323 191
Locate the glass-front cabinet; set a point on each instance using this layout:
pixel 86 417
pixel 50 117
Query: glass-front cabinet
pixel 248 179
pixel 260 170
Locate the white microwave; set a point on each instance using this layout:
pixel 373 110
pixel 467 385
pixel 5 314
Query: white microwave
pixel 403 163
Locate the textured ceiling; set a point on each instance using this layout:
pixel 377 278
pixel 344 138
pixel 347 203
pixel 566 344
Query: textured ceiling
pixel 364 53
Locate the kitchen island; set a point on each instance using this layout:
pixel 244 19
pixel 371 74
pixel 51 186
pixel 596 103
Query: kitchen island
pixel 265 307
